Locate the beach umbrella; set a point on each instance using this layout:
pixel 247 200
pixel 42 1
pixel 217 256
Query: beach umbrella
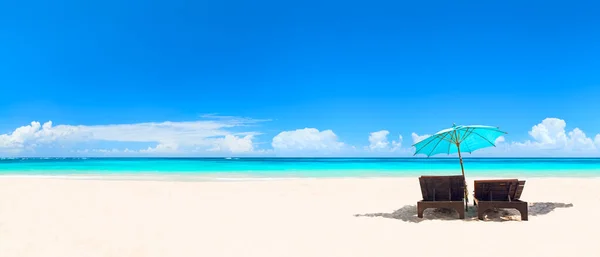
pixel 459 139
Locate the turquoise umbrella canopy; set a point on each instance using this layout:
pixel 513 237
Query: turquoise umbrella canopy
pixel 459 139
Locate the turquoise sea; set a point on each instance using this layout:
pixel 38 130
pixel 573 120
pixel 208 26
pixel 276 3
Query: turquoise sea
pixel 302 167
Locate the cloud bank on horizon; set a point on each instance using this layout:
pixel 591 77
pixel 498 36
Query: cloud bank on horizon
pixel 233 136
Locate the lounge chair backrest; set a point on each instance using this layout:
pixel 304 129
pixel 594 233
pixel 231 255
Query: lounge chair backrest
pixel 442 188
pixel 499 190
pixel 520 188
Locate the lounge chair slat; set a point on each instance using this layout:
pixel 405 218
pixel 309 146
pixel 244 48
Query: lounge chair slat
pixel 442 184
pixel 519 189
pixel 423 189
pixel 495 190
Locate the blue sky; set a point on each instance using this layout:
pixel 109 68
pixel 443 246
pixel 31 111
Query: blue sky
pixel 350 67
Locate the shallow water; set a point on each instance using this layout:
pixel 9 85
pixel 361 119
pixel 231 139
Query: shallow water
pixel 302 167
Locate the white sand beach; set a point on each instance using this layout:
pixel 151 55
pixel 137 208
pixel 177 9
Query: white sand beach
pixel 371 217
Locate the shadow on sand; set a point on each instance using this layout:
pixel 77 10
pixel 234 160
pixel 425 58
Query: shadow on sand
pixel 408 213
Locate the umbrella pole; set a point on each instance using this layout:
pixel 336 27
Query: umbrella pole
pixel 463 173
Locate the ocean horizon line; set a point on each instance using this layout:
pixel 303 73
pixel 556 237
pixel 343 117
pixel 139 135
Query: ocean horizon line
pixel 256 157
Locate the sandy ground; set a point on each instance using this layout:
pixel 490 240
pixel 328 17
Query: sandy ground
pixel 372 217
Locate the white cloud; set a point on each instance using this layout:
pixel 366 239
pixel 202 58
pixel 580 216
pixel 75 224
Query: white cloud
pixel 35 133
pixel 550 134
pixel 416 138
pixel 579 141
pixel 162 148
pixel 500 140
pixel 597 141
pixel 397 144
pixel 378 141
pixel 306 140
pixel 234 144
pixel 216 133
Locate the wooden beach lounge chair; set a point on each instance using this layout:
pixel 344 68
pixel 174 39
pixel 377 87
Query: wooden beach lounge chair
pixel 504 193
pixel 442 192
